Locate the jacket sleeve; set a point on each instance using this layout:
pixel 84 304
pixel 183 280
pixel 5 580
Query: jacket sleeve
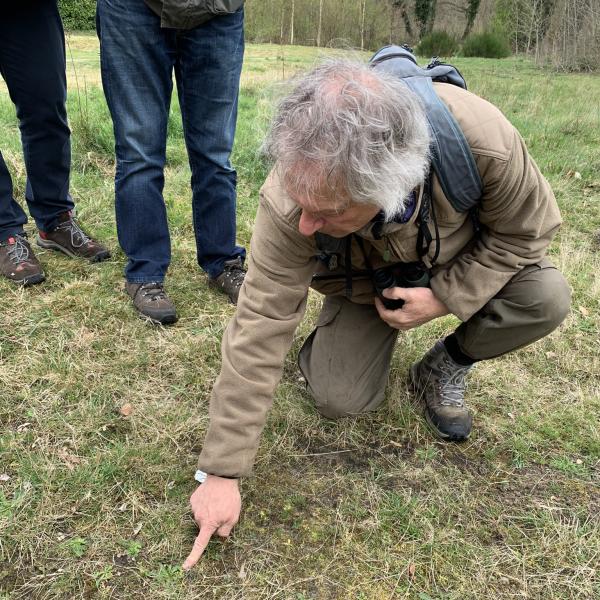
pixel 519 216
pixel 271 304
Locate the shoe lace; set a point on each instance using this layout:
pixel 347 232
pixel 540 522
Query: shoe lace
pixel 153 290
pixel 19 251
pixel 235 274
pixel 78 236
pixel 452 383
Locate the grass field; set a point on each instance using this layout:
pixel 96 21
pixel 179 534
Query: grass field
pixel 94 504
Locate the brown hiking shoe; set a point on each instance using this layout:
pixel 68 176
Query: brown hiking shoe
pixel 70 239
pixel 440 383
pixel 230 280
pixel 151 301
pixel 18 262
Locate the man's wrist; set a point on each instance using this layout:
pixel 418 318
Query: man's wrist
pixel 201 476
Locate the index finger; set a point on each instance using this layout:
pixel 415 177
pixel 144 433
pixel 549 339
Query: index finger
pixel 200 543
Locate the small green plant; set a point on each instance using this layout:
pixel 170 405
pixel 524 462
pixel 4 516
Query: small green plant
pixel 427 453
pixel 437 43
pixel 167 575
pixel 518 462
pixel 76 546
pixel 567 465
pixel 132 548
pixel 103 575
pixel 489 44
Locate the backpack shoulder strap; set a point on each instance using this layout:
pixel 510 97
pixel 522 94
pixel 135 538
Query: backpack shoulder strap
pixel 452 159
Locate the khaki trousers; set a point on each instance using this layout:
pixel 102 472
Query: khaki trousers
pixel 346 359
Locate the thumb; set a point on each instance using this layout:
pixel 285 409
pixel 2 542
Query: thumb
pixel 397 293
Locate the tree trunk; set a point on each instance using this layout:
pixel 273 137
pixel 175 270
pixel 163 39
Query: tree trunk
pixel 407 24
pixel 320 23
pixel 432 12
pixel 362 24
pixel 471 11
pixel 425 15
pixel 292 23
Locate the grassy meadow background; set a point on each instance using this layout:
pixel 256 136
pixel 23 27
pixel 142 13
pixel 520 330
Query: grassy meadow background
pixel 94 504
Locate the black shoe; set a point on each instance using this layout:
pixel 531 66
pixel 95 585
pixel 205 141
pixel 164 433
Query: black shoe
pixel 230 280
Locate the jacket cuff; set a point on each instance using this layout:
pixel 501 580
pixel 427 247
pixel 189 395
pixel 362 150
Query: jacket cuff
pixel 224 464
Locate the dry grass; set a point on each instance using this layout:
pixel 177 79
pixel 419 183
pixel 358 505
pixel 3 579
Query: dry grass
pixel 94 504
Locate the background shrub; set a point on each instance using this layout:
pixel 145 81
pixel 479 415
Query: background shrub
pixel 489 44
pixel 78 14
pixel 437 43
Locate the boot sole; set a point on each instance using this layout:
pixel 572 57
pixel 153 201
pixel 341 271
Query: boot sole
pixel 49 245
pixel 168 320
pixel 29 281
pixel 33 280
pixel 412 383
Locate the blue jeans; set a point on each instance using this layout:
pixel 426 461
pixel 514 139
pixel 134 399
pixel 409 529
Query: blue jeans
pixel 32 62
pixel 137 60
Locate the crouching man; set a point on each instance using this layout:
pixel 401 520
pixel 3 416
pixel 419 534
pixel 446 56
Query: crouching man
pixel 352 173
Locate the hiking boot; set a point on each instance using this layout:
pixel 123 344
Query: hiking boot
pixel 440 382
pixel 151 301
pixel 230 280
pixel 68 237
pixel 18 262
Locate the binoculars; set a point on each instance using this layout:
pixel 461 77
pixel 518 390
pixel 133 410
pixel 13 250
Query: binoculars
pixel 402 275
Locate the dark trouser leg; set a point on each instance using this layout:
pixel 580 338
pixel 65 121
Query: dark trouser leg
pixel 137 58
pixel 32 62
pixel 209 62
pixel 346 359
pixel 529 307
pixel 12 216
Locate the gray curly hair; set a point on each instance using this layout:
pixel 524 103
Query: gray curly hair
pixel 360 132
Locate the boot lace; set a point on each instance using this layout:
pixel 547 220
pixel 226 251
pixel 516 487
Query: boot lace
pixel 19 251
pixel 452 383
pixel 234 273
pixel 153 290
pixel 78 236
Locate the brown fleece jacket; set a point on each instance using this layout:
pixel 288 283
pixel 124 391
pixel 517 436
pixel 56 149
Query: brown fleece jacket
pixel 519 217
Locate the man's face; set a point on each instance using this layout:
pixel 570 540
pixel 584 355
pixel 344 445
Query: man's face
pixel 332 216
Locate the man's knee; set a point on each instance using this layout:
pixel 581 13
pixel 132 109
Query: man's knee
pixel 335 404
pixel 551 299
pixel 346 358
pixel 332 411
